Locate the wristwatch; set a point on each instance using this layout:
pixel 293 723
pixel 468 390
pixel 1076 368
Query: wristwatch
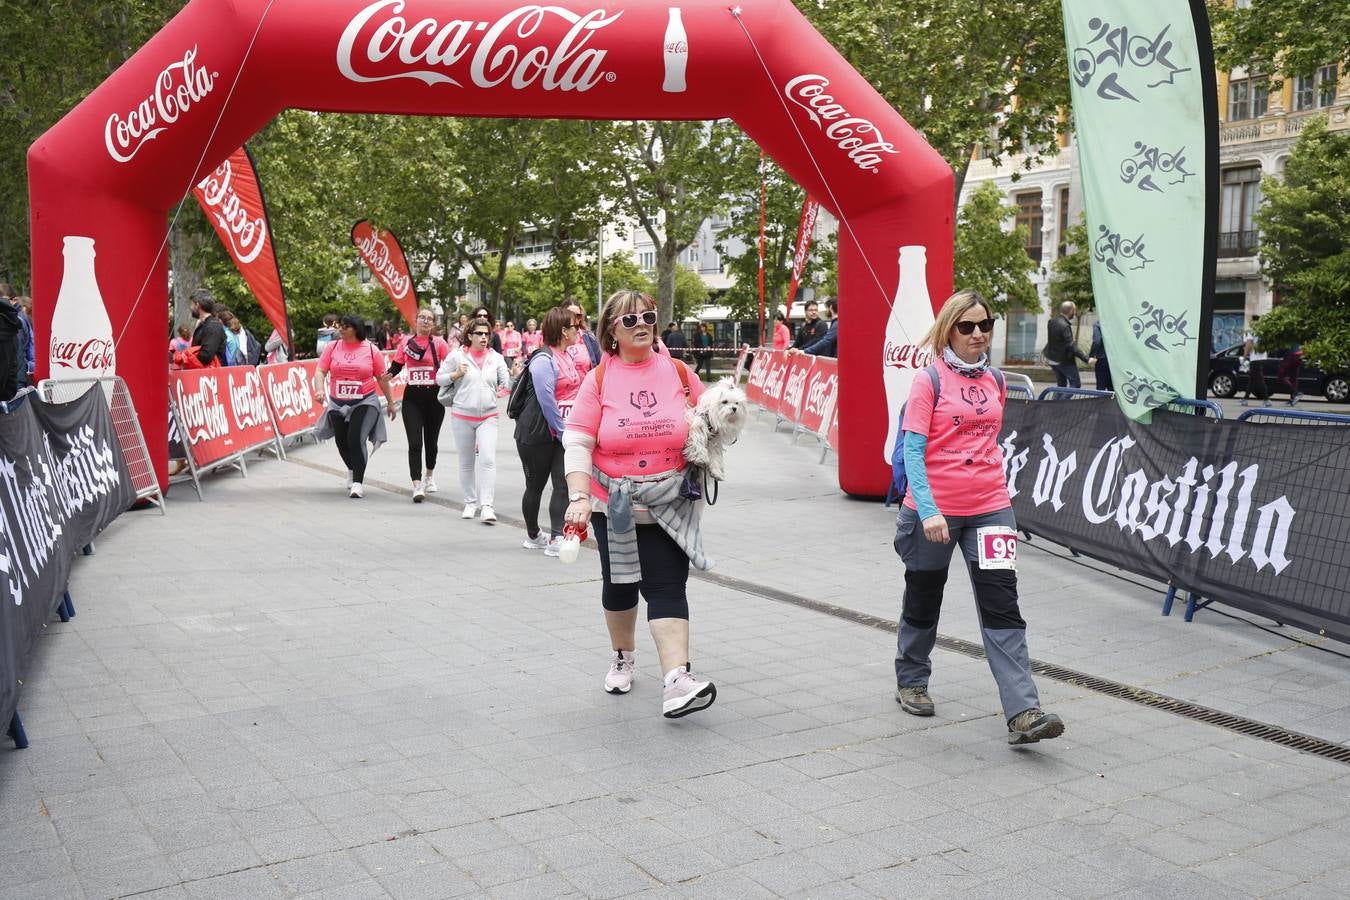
pixel 577 495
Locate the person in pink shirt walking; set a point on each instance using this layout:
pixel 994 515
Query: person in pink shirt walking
pixel 782 335
pixel 531 339
pixel 511 344
pixel 958 497
pixel 556 380
pixel 353 367
pixel 624 458
pixel 421 354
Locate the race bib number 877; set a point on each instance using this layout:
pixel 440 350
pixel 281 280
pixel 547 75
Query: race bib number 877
pixel 997 547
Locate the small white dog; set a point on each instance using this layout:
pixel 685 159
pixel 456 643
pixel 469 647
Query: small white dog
pixel 715 423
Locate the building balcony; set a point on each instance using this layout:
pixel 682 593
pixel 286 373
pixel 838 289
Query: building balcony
pixel 1278 126
pixel 1237 243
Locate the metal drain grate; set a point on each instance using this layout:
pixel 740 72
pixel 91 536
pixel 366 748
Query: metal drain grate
pixel 1250 727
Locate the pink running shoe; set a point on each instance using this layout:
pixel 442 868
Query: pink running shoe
pixel 619 678
pixel 685 694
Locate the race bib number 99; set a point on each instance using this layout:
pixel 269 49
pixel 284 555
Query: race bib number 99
pixel 997 546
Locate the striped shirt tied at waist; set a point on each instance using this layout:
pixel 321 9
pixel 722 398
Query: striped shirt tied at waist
pixel 660 494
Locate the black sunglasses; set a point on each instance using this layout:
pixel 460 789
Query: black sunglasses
pixel 630 320
pixel 481 334
pixel 985 326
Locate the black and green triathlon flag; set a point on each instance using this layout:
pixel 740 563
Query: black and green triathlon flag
pixel 1145 110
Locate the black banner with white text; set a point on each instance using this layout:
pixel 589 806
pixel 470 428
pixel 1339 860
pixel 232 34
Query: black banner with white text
pixel 1256 516
pixel 62 480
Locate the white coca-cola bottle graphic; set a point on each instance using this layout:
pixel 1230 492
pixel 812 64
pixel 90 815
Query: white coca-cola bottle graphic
pixel 676 53
pixel 82 336
pixel 910 320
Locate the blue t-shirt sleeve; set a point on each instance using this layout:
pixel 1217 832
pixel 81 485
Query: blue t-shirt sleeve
pixel 546 389
pixel 916 470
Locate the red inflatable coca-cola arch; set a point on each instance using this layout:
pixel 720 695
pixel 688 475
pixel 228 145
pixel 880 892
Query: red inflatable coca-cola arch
pixel 221 69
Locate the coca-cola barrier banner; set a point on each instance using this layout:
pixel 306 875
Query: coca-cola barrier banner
pixel 232 199
pixel 289 388
pixel 221 412
pixel 802 389
pixel 381 252
pixel 1236 511
pixel 63 479
pixel 182 104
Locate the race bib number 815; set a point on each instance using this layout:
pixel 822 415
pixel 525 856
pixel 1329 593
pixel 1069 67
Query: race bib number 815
pixel 997 547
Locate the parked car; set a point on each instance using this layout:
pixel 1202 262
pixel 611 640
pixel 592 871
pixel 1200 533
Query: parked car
pixel 1226 377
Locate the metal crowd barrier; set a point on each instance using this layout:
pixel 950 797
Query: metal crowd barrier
pixel 126 426
pixel 1068 393
pixel 1206 408
pixel 1267 414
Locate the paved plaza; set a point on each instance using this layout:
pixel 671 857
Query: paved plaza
pixel 282 692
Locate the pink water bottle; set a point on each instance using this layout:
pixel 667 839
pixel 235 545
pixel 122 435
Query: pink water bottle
pixel 573 535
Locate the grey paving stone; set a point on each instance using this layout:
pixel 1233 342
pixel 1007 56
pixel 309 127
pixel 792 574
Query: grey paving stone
pixel 317 873
pixel 214 859
pixel 250 883
pixel 609 879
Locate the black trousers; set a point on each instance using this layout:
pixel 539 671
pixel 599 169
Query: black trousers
pixel 665 573
pixel 422 419
pixel 543 463
pixel 351 435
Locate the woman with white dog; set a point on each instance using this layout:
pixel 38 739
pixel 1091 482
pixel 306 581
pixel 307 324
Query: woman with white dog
pixel 958 497
pixel 624 456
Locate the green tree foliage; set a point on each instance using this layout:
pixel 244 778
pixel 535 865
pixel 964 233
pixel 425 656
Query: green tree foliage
pixel 1284 37
pixel 1071 275
pixel 953 68
pixel 673 175
pixel 783 208
pixel 990 260
pixel 1305 247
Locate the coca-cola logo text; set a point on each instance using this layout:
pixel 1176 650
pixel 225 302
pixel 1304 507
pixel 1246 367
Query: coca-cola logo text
pixel 248 403
pixel 858 137
pixel 774 378
pixel 293 396
pixel 375 250
pixel 93 355
pixel 201 411
pixel 820 394
pixel 178 88
pixel 245 231
pixel 507 52
pixel 796 385
pixel 906 356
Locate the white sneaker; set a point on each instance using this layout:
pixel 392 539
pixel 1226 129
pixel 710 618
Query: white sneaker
pixel 489 516
pixel 619 678
pixel 356 492
pixel 538 542
pixel 429 485
pixel 419 492
pixel 470 510
pixel 554 546
pixel 685 694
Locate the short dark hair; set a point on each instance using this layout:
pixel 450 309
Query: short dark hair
pixel 202 295
pixel 483 310
pixel 6 290
pixel 356 323
pixel 780 316
pixel 809 304
pixel 833 305
pixel 555 320
pixel 330 319
pixel 206 304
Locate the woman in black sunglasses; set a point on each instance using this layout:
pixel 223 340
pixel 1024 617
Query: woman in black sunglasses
pixel 958 496
pixel 623 451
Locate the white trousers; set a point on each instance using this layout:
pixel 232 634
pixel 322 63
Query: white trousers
pixel 477 474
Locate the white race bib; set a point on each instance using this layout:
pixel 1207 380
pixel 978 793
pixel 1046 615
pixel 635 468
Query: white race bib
pixel 565 408
pixel 346 390
pixel 420 375
pixel 997 547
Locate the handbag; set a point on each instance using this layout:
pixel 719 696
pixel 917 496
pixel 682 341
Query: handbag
pixel 446 395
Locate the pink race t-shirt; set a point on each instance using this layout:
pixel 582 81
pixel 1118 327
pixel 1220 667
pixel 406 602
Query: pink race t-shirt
pixel 782 338
pixel 419 361
pixel 964 463
pixel 581 355
pixel 531 341
pixel 510 344
pixel 639 425
pixel 352 368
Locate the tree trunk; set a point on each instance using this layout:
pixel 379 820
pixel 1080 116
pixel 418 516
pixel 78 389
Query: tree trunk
pixel 667 257
pixel 187 274
pixel 959 173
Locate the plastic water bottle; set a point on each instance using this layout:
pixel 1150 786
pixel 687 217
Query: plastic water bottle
pixel 573 535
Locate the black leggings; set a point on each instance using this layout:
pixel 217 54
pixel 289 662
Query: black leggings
pixel 422 418
pixel 543 462
pixel 350 435
pixel 665 573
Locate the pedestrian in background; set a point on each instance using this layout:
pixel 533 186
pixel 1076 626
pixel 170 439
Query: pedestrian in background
pixel 782 337
pixel 352 367
pixel 421 354
pixel 328 332
pixel 556 380
pixel 1097 359
pixel 674 340
pixel 477 373
pixel 1254 364
pixel 958 498
pixel 703 356
pixel 1061 350
pixel 813 329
